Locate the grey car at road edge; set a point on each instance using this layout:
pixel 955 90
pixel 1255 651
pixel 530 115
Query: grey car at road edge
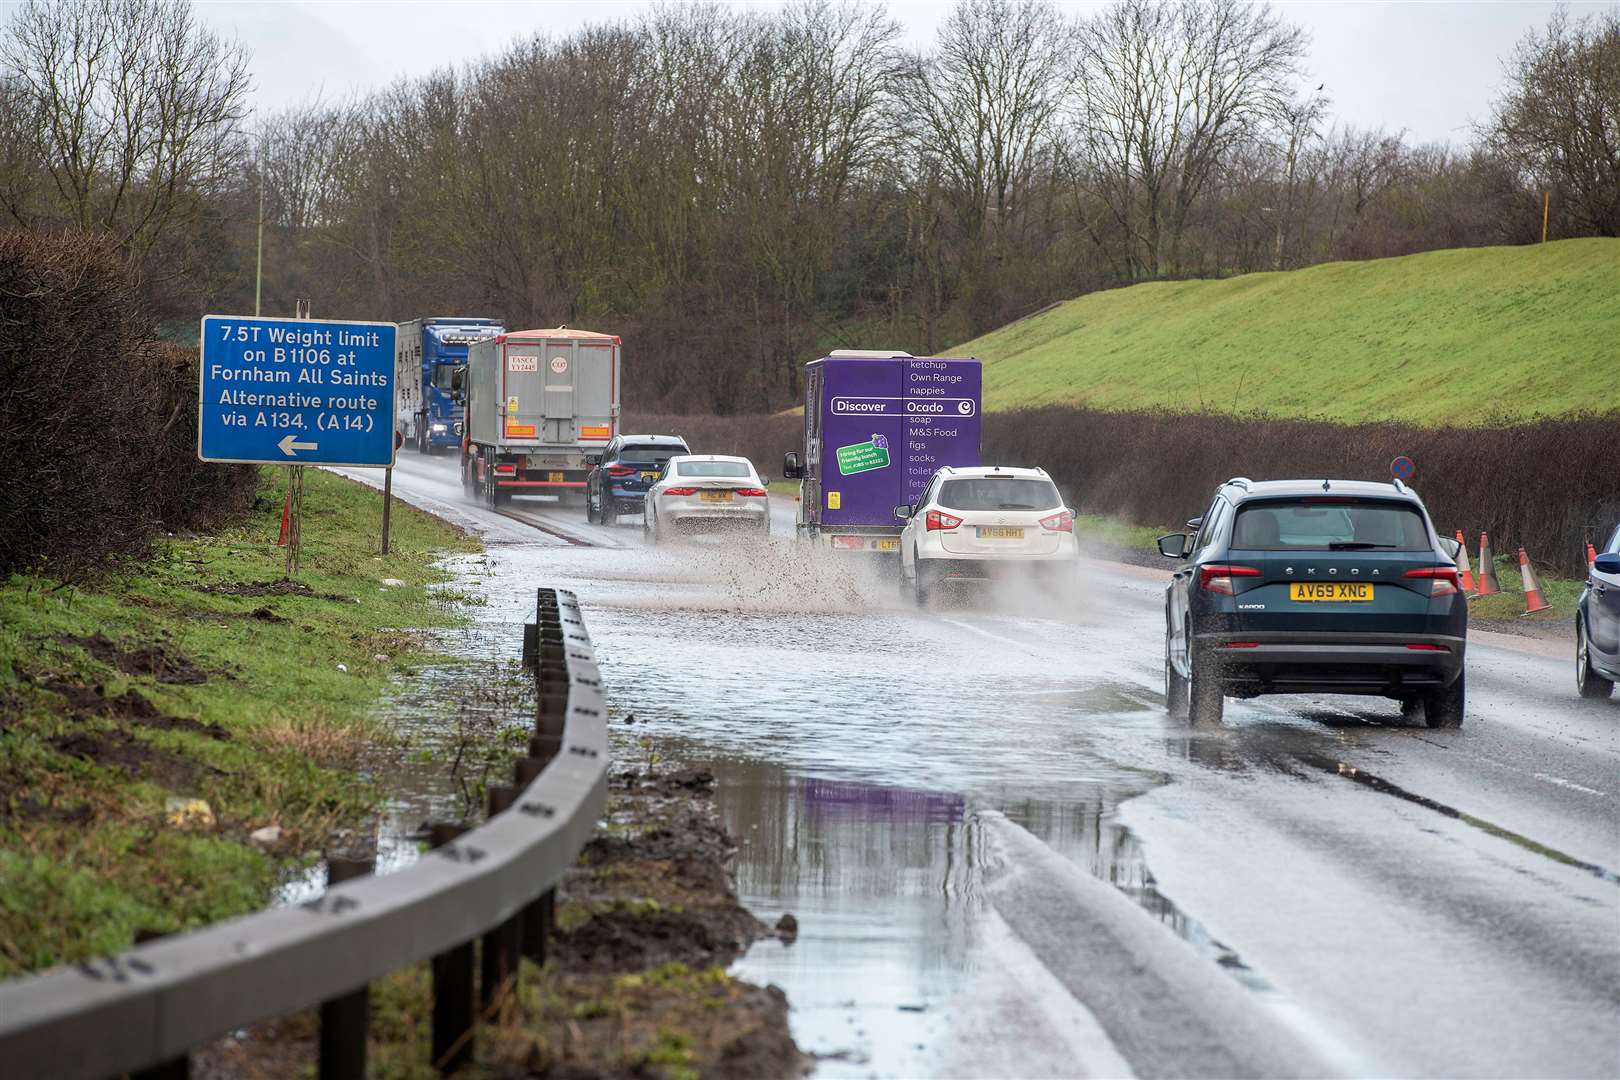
pixel 1597 624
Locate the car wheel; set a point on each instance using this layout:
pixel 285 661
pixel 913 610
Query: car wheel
pixel 1588 682
pixel 922 590
pixel 1206 703
pixel 1443 708
pixel 1175 687
pixel 593 512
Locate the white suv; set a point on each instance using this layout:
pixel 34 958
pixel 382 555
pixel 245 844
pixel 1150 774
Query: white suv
pixel 977 524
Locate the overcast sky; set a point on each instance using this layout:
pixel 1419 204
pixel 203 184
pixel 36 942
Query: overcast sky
pixel 1428 68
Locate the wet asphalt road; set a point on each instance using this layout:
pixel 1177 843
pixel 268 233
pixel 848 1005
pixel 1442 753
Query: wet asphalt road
pixel 1006 859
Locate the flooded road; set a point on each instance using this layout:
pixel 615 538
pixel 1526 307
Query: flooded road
pixel 1369 898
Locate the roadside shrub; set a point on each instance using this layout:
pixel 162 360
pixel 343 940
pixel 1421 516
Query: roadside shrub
pixel 1545 484
pixel 98 419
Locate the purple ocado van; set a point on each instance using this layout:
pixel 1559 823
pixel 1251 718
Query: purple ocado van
pixel 877 426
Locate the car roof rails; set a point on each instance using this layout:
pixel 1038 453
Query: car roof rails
pixel 1239 481
pixel 1398 485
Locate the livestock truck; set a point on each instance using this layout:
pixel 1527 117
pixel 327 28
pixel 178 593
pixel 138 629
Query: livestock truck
pixel 541 406
pixel 428 406
pixel 877 426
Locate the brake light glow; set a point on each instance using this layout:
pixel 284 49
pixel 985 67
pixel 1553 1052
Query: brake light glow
pixel 620 470
pixel 1217 577
pixel 938 520
pixel 752 493
pixel 1423 646
pixel 680 491
pixel 506 469
pixel 1060 522
pixel 1445 579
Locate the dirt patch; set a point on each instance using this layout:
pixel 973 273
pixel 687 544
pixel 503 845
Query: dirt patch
pixel 17 803
pixel 121 750
pixel 131 707
pixel 154 660
pixel 655 888
pixel 282 587
pixel 1560 628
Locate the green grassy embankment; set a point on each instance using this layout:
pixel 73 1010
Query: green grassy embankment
pixel 197 675
pixel 1459 336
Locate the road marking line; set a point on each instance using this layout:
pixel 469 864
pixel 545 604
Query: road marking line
pixel 1572 785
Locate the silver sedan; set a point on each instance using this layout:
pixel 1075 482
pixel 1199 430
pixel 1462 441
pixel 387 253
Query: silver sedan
pixel 707 492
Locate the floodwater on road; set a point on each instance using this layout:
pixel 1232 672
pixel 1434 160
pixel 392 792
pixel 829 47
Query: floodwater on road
pixel 1408 901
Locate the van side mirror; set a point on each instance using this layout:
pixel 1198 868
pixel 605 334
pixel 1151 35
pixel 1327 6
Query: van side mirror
pixel 791 469
pixel 1607 564
pixel 1174 546
pixel 902 513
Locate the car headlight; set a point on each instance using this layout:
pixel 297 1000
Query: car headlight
pixel 439 429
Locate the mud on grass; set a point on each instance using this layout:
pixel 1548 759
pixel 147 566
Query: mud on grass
pixel 197 673
pixel 635 984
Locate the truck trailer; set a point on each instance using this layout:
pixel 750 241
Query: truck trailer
pixel 541 406
pixel 877 426
pixel 428 407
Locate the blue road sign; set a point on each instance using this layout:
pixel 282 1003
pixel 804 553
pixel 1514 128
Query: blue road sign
pixel 1403 468
pixel 296 391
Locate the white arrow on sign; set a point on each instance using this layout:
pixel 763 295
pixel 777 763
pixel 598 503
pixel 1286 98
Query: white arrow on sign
pixel 290 444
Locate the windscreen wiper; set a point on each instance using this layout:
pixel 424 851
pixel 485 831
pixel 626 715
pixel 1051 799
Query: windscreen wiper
pixel 1356 545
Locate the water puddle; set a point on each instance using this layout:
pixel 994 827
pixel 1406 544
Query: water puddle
pixel 454 725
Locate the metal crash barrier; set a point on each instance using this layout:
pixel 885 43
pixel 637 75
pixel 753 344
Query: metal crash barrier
pixel 145 1009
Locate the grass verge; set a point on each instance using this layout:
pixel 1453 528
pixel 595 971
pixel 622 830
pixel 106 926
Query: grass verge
pixel 152 719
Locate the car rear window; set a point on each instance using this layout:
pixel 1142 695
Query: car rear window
pixel 1329 524
pixel 713 468
pixel 999 493
pixel 649 455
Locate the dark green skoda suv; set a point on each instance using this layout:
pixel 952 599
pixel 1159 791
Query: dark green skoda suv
pixel 1314 586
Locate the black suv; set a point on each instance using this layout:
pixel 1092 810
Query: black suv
pixel 1314 586
pixel 629 464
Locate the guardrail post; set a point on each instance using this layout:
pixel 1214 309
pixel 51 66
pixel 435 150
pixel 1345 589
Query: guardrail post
pixel 498 968
pixel 452 987
pixel 346 1020
pixel 178 1068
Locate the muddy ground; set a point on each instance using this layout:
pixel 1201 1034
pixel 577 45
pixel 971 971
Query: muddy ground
pixel 635 983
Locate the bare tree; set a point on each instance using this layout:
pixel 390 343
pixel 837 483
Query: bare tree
pixel 1558 119
pixel 129 108
pixel 1161 93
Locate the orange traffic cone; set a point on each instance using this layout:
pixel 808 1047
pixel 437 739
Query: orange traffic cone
pixel 1591 554
pixel 1533 600
pixel 286 521
pixel 1487 568
pixel 1462 564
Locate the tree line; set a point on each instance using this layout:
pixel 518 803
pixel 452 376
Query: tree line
pixel 735 191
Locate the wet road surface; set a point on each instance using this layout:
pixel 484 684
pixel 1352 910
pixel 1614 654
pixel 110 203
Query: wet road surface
pixel 940 796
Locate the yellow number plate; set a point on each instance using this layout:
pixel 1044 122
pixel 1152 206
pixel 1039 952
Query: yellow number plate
pixel 714 496
pixel 1333 592
pixel 1000 532
pixel 554 477
pixel 888 545
pixel 649 476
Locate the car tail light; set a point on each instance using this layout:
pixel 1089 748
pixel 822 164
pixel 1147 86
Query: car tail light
pixel 1242 644
pixel 853 543
pixel 752 493
pixel 680 491
pixel 1444 578
pixel 1217 577
pixel 1062 522
pixel 1423 646
pixel 506 469
pixel 620 470
pixel 938 520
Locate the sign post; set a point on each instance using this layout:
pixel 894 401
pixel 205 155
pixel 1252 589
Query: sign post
pixel 296 392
